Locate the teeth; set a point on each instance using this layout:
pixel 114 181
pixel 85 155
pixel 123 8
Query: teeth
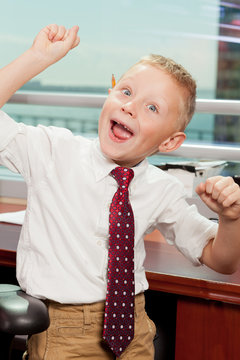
pixel 125 127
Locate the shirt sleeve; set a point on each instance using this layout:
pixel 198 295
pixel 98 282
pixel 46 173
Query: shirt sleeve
pixel 8 130
pixel 25 149
pixel 184 227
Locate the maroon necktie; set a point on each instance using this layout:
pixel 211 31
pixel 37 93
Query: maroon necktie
pixel 119 310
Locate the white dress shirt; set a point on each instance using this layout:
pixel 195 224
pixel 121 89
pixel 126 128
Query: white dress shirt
pixel 62 253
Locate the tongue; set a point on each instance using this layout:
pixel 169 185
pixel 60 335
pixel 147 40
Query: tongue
pixel 120 132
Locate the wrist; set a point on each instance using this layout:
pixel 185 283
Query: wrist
pixel 226 220
pixel 37 58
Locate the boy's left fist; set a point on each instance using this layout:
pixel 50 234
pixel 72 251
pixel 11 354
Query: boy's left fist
pixel 221 195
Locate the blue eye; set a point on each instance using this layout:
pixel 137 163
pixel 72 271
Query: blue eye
pixel 127 92
pixel 152 108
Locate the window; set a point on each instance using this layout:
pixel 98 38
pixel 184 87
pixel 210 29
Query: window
pixel 114 35
pixel 202 35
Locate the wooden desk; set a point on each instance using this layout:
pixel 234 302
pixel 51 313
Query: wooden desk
pixel 208 312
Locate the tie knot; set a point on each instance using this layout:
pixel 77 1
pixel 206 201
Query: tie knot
pixel 123 176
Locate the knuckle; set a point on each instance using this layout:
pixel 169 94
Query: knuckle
pixel 224 193
pixel 236 187
pixel 54 27
pixel 217 187
pixel 209 181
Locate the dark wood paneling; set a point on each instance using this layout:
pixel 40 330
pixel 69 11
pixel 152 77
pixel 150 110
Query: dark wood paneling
pixel 7 258
pixel 207 330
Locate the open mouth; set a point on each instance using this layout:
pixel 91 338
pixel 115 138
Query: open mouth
pixel 120 131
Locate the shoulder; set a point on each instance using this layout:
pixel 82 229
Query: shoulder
pixel 57 136
pixel 156 175
pixel 9 129
pixel 156 185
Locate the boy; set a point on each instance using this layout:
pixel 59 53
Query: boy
pixel 65 241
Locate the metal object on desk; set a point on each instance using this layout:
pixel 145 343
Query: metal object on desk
pixel 236 178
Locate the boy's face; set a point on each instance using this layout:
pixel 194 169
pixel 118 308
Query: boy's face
pixel 140 116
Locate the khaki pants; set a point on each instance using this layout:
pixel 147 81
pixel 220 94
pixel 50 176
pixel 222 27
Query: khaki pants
pixel 75 332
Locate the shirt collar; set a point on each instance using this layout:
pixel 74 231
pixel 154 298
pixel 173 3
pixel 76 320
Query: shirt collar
pixel 102 165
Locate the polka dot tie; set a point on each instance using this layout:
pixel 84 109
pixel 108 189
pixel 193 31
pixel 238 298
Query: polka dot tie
pixel 119 310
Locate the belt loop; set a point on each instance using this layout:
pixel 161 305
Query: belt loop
pixel 86 315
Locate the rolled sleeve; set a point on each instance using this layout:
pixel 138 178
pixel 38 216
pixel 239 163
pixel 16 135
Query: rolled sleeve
pixel 183 226
pixel 193 233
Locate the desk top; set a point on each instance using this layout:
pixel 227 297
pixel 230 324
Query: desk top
pixel 167 270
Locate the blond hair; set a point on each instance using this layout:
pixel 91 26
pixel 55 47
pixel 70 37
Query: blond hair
pixel 182 78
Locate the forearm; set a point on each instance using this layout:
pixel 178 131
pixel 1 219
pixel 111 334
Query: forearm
pixel 222 254
pixel 51 44
pixel 18 72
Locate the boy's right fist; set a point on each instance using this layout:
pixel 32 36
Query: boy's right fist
pixel 53 42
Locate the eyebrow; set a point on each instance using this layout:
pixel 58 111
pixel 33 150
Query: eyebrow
pixel 123 78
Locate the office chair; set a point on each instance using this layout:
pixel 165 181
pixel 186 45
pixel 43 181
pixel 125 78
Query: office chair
pixel 20 314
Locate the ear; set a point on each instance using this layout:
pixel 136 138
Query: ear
pixel 109 91
pixel 173 142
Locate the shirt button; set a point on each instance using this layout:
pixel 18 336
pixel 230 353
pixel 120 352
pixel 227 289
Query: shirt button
pixel 99 243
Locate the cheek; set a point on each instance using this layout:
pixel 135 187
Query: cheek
pixel 100 124
pixel 102 118
pixel 107 109
pixel 151 128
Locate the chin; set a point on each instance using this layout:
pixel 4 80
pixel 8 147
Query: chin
pixel 116 152
pixel 112 155
pixel 107 151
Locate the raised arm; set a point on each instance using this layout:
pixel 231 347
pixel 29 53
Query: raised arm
pixel 222 195
pixel 51 44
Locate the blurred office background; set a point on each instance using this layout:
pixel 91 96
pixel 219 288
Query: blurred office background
pixel 203 35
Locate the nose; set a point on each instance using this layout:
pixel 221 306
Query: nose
pixel 129 108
